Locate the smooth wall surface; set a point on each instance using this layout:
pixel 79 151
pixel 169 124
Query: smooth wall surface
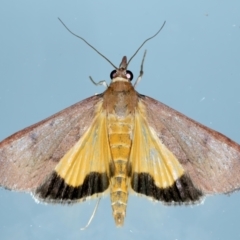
pixel 192 66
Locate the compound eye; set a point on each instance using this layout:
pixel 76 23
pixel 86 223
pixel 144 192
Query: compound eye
pixel 129 75
pixel 112 74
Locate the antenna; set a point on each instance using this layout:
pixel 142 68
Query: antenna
pixel 87 43
pixel 145 42
pixel 101 53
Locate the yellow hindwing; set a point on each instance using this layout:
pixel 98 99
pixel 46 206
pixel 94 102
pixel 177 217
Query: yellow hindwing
pixel 149 155
pixel 91 154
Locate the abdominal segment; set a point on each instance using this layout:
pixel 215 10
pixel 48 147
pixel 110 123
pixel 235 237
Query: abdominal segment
pixel 120 140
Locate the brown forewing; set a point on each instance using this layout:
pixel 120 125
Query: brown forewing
pixel 28 156
pixel 210 159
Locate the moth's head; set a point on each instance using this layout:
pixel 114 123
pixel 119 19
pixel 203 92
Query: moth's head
pixel 121 73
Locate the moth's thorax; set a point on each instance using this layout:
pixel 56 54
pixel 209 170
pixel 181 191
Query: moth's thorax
pixel 120 98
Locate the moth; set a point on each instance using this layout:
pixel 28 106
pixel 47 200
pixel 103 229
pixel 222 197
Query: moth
pixel 119 141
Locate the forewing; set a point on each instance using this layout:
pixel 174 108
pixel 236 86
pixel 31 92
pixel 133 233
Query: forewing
pixel 28 156
pixel 210 159
pixel 84 170
pixel 156 172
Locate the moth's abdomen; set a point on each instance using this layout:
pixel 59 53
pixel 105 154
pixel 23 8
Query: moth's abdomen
pixel 120 140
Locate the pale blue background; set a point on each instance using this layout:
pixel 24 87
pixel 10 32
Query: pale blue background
pixel 192 66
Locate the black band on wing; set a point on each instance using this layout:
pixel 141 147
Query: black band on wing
pixel 182 191
pixel 55 189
